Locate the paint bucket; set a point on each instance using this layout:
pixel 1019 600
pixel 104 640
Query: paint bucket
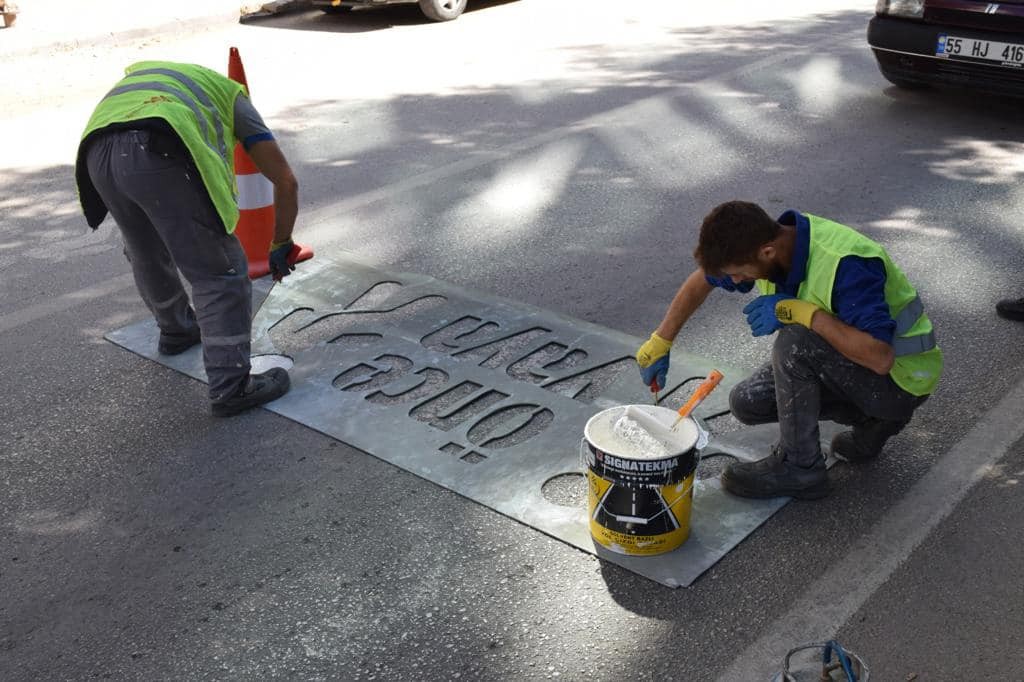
pixel 639 503
pixel 817 664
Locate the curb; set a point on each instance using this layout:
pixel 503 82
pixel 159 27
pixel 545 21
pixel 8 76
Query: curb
pixel 177 26
pixel 274 8
pixel 247 11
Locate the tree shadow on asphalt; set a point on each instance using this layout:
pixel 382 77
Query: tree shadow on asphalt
pixel 653 151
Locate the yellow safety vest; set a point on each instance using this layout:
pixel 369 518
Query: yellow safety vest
pixel 918 359
pixel 197 103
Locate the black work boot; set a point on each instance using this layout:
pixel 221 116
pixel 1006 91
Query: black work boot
pixel 774 476
pixel 175 344
pixel 865 441
pixel 1011 309
pixel 257 389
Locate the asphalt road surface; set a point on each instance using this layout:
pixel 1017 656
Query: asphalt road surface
pixel 560 154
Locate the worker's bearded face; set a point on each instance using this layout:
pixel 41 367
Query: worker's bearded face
pixel 751 271
pixel 765 265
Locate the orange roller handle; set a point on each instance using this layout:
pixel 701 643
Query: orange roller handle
pixel 714 378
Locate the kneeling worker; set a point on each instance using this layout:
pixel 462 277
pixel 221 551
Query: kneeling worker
pixel 854 344
pixel 158 154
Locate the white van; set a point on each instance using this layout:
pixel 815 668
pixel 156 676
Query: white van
pixel 438 10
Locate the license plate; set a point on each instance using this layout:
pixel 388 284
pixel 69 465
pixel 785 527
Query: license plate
pixel 973 49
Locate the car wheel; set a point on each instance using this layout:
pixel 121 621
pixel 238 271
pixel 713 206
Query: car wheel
pixel 442 10
pixel 904 83
pixel 340 9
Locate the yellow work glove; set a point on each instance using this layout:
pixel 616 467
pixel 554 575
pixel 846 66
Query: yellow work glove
pixel 653 360
pixel 793 310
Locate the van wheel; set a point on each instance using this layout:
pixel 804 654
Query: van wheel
pixel 339 9
pixel 442 10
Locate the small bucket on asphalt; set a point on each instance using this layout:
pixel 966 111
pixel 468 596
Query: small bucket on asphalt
pixel 640 488
pixel 833 664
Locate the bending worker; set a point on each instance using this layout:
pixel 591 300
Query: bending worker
pixel 854 344
pixel 157 154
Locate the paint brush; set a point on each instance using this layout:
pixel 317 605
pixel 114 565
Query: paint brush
pixel 702 392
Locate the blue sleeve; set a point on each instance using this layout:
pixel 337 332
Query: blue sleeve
pixel 250 140
pixel 858 297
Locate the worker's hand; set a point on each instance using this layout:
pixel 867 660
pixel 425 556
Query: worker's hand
pixel 793 310
pixel 761 314
pixel 653 360
pixel 727 283
pixel 282 258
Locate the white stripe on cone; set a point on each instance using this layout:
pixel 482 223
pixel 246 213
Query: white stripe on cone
pixel 254 191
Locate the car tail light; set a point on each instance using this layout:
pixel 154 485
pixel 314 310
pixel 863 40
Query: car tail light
pixel 901 8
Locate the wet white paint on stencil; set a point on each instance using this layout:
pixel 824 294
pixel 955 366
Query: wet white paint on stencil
pixel 261 363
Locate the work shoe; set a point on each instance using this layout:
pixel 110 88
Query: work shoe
pixel 865 441
pixel 175 344
pixel 257 389
pixel 1011 309
pixel 846 446
pixel 775 476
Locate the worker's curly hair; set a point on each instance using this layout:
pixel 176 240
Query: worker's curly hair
pixel 731 235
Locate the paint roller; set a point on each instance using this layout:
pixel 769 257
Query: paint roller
pixel 703 391
pixel 656 428
pixel 650 424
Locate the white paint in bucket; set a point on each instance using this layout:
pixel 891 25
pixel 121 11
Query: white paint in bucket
pixel 642 432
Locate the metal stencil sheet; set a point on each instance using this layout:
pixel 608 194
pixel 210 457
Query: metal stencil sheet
pixel 482 395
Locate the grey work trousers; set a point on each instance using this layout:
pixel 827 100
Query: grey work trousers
pixel 808 380
pixel 156 196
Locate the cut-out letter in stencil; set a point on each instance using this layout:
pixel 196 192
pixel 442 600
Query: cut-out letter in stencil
pixel 482 395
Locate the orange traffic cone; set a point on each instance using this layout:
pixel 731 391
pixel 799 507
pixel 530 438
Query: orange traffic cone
pixel 255 227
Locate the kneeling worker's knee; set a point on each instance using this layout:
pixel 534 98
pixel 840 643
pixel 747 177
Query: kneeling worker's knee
pixel 791 341
pixel 749 406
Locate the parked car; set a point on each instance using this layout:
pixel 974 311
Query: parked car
pixel 978 45
pixel 438 10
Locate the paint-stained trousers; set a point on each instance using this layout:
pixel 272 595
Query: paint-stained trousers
pixel 168 222
pixel 808 380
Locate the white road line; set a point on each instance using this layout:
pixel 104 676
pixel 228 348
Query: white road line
pixel 835 597
pixel 66 302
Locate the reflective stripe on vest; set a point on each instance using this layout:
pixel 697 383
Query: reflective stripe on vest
pixel 918 363
pixel 196 103
pixel 191 104
pixel 905 320
pixel 199 94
